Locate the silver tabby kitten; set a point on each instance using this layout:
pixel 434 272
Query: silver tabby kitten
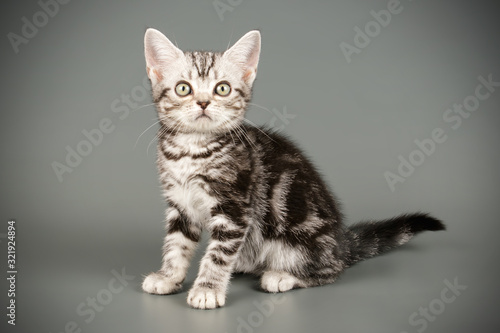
pixel 267 210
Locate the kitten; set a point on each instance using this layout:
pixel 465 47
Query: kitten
pixel 266 208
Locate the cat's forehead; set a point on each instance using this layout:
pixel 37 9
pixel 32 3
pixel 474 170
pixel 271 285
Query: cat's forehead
pixel 202 65
pixel 206 66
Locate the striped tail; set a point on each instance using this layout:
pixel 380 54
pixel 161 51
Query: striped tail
pixel 369 239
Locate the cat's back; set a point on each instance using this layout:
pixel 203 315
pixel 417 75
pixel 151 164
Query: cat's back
pixel 293 182
pixel 281 154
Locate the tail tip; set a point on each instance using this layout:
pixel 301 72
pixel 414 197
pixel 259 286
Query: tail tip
pixel 421 222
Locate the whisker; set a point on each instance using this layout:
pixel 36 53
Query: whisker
pixel 157 136
pixel 234 130
pixel 175 40
pixel 175 130
pixel 229 43
pixel 251 123
pixel 252 143
pixel 143 106
pixel 226 125
pixel 260 106
pixel 242 131
pixel 237 134
pixel 160 133
pixel 156 122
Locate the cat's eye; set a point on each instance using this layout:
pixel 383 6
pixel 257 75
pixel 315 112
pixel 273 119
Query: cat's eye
pixel 223 89
pixel 183 89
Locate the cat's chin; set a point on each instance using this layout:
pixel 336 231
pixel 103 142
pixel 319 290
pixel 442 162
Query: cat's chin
pixel 203 117
pixel 203 131
pixel 208 127
pixel 203 125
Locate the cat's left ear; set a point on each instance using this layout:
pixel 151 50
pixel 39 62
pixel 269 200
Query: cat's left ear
pixel 245 53
pixel 160 54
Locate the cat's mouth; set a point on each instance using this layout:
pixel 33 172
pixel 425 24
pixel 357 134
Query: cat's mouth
pixel 203 115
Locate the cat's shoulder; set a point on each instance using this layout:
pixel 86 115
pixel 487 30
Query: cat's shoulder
pixel 271 136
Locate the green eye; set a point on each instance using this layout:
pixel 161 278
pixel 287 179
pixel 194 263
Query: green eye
pixel 223 89
pixel 183 89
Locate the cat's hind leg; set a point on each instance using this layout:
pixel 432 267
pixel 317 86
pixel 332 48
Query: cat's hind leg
pixel 290 267
pixel 281 262
pixel 280 281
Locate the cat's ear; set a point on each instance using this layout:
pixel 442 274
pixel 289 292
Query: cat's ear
pixel 160 54
pixel 245 53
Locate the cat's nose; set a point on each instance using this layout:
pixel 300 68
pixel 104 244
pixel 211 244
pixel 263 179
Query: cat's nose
pixel 203 104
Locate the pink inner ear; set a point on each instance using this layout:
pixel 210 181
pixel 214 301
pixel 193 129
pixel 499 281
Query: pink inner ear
pixel 158 74
pixel 253 59
pixel 160 53
pixel 247 74
pixel 154 72
pixel 245 53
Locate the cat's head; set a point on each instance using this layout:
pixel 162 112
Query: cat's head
pixel 201 91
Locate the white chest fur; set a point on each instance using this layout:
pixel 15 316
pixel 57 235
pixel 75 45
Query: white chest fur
pixel 189 191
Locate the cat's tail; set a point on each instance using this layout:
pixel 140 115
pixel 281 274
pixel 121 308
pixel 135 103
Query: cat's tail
pixel 369 239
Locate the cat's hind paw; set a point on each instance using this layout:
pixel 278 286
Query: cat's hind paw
pixel 278 282
pixel 157 283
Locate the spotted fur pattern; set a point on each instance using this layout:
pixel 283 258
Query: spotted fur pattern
pixel 266 208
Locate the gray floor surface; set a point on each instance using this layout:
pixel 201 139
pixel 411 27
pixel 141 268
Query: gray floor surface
pixel 85 239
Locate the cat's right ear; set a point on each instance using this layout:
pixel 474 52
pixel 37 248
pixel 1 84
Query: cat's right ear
pixel 245 53
pixel 160 53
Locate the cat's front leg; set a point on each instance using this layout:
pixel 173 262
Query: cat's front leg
pixel 178 248
pixel 226 239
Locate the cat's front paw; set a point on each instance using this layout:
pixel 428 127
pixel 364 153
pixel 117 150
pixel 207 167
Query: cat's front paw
pixel 200 297
pixel 157 283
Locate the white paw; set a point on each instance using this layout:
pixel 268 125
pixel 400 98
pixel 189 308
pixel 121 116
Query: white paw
pixel 156 283
pixel 206 298
pixel 275 282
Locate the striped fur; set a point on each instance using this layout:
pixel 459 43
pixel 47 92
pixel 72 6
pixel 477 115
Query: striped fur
pixel 264 204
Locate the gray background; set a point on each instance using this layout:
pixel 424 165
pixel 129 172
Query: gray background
pixel 353 119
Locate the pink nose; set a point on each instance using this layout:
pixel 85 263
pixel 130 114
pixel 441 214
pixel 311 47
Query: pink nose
pixel 203 104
